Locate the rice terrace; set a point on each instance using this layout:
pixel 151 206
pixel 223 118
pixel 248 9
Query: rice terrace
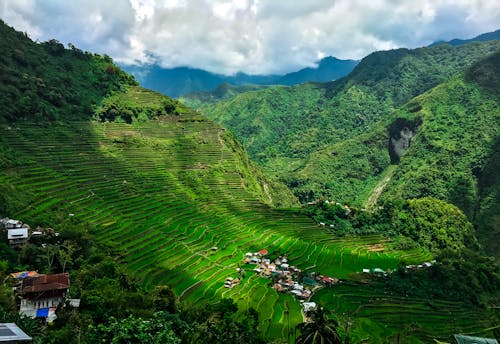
pixel 284 196
pixel 156 211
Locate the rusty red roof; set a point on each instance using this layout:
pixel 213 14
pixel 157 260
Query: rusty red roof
pixel 263 252
pixel 45 283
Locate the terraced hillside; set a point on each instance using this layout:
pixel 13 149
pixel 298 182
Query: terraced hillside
pixel 165 193
pixel 376 313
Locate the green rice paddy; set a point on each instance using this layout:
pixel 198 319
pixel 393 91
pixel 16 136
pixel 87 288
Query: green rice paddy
pixel 164 193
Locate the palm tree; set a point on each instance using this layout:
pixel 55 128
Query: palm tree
pixel 320 330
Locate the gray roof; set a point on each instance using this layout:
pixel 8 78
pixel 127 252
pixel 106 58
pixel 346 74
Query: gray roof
pixel 10 333
pixel 461 339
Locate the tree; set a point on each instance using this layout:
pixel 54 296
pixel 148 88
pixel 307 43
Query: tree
pixel 319 330
pixel 49 253
pixel 134 330
pixel 65 254
pixel 165 299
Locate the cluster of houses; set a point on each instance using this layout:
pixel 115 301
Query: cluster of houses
pixel 19 233
pixel 231 282
pixel 380 272
pixel 41 294
pixel 287 278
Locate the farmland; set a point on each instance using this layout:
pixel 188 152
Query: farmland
pixel 164 194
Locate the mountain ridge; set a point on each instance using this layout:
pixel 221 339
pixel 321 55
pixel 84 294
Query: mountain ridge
pixel 180 81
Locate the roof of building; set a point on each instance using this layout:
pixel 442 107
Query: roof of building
pixel 44 283
pixel 461 339
pixel 17 233
pixel 10 332
pixel 24 274
pixel 263 252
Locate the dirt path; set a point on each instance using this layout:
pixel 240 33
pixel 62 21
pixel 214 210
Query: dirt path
pixel 377 191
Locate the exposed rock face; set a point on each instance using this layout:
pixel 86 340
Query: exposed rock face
pixel 400 134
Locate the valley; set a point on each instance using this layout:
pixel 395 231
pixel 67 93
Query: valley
pixel 384 181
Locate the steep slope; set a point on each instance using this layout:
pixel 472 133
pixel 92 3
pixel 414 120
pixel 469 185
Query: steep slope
pixel 283 127
pixel 454 155
pixel 176 197
pixel 47 82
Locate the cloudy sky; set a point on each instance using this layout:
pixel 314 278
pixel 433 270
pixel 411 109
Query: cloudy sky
pixel 253 36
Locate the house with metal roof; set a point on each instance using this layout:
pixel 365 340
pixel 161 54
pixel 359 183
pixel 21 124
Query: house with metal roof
pixel 40 295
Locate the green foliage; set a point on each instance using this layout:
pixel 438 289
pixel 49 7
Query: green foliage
pixel 458 275
pixel 331 139
pixel 436 224
pixel 48 82
pixel 155 330
pixel 428 222
pixel 319 330
pixel 137 104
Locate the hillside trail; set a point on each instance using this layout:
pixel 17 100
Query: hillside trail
pixel 377 191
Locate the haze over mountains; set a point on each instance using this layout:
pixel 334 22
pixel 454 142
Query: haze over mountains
pixel 181 81
pixel 175 82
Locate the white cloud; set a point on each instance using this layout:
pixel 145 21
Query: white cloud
pixel 254 36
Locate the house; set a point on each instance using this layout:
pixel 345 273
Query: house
pixel 262 252
pixel 7 223
pixel 11 333
pixel 461 339
pixel 309 306
pixel 17 236
pixel 17 231
pixel 40 295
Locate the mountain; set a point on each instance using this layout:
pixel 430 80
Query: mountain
pixel 290 130
pixel 454 153
pixel 179 81
pixel 151 199
pixel 37 80
pixel 168 192
pixel 489 36
pixel 328 69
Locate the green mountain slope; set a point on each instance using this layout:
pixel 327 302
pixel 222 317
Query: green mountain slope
pixel 454 155
pixel 176 196
pixel 46 81
pixel 284 127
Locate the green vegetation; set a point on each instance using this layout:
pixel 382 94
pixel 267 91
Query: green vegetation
pixel 48 82
pixel 148 194
pixel 137 104
pixel 192 192
pixel 222 92
pixel 426 222
pixel 331 139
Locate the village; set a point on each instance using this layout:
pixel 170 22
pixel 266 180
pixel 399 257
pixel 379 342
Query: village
pixel 38 295
pixel 285 278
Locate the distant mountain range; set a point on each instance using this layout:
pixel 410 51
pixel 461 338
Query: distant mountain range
pixel 178 81
pixel 481 38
